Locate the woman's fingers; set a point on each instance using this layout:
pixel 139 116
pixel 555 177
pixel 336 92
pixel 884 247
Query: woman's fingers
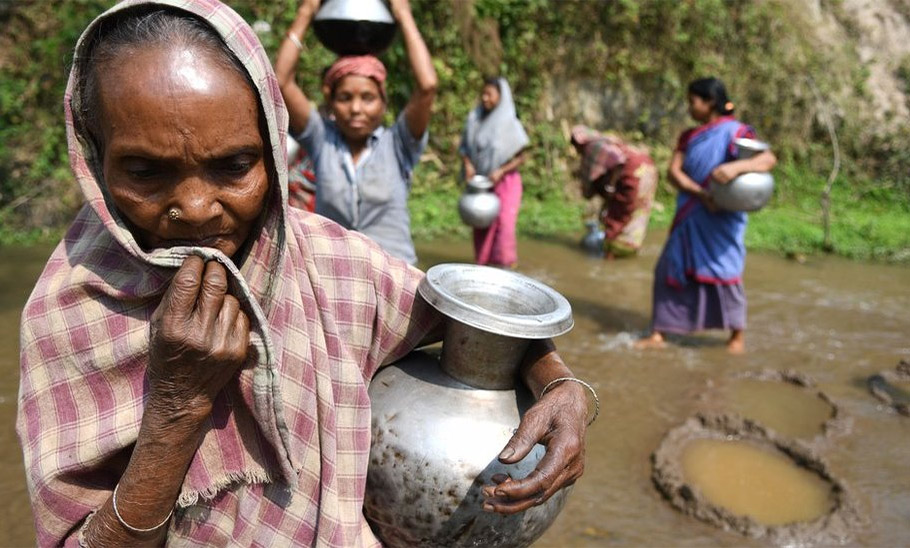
pixel 180 297
pixel 532 428
pixel 211 295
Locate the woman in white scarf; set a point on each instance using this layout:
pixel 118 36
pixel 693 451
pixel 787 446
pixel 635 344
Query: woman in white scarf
pixel 493 144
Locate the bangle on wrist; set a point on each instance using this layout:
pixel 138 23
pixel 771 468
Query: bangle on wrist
pixel 590 388
pixel 129 527
pixel 294 40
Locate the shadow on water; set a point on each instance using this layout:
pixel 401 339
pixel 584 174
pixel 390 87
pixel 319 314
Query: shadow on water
pixel 610 318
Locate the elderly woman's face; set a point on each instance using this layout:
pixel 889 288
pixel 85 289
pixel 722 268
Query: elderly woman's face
pixel 181 131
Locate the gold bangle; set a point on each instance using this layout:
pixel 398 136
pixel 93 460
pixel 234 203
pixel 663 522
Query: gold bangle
pixel 296 41
pixel 129 527
pixel 590 388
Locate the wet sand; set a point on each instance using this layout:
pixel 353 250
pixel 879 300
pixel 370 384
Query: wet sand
pixel 834 320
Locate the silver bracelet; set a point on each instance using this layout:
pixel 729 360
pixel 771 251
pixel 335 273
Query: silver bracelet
pixel 130 527
pixel 296 41
pixel 590 388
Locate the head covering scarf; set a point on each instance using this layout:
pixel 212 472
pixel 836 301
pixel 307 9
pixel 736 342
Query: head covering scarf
pixel 358 65
pixel 493 138
pixel 600 154
pixel 293 416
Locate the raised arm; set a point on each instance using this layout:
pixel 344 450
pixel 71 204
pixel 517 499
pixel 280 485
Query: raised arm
pixel 298 105
pixel 557 420
pixel 417 111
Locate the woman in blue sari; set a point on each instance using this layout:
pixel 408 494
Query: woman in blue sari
pixel 698 278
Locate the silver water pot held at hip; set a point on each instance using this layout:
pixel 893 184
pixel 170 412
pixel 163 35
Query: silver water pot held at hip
pixel 440 423
pixel 478 205
pixel 748 191
pixel 354 27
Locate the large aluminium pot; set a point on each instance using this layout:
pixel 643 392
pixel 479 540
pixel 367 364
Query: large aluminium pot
pixel 354 27
pixel 478 205
pixel 749 191
pixel 439 423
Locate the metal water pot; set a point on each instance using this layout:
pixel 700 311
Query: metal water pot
pixel 478 205
pixel 354 27
pixel 439 423
pixel 593 240
pixel 748 191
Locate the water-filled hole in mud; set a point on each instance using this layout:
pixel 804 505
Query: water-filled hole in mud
pixel 787 408
pixel 754 481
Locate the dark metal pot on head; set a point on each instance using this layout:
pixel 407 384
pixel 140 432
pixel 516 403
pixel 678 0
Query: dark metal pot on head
pixel 354 27
pixel 440 423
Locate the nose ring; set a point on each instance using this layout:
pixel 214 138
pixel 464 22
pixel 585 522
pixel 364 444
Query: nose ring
pixel 173 213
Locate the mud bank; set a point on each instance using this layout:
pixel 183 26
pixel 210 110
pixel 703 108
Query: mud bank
pixel 837 525
pixel 886 387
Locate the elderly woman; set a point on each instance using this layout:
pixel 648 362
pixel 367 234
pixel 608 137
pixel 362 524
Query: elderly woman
pixel 363 169
pixel 493 144
pixel 625 177
pixel 195 357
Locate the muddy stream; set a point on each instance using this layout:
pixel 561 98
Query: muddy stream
pixel 835 321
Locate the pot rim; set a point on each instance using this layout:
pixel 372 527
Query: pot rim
pixel 438 288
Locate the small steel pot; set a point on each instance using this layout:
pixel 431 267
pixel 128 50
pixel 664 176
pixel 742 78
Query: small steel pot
pixel 479 206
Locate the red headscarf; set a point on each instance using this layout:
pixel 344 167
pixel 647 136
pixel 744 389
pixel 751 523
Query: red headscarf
pixel 359 65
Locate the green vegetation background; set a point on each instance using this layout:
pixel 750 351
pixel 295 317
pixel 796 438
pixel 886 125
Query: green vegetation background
pixel 644 51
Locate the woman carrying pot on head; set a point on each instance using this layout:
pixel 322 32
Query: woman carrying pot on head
pixel 196 355
pixel 363 169
pixel 625 177
pixel 493 144
pixel 698 278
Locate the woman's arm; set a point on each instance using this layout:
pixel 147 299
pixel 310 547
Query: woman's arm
pixel 511 165
pixel 557 420
pixel 678 177
pixel 298 105
pixel 469 170
pixel 199 338
pixel 417 111
pixel 762 162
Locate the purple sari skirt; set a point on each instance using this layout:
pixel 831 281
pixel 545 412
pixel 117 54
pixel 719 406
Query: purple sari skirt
pixel 696 306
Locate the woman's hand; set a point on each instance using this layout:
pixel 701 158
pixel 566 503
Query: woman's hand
pixel 309 6
pixel 199 338
pixel 557 421
pixel 724 173
pixel 496 175
pixel 707 200
pixel 399 7
pixel 469 170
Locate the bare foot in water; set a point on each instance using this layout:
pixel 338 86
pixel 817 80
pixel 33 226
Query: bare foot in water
pixel 654 340
pixel 737 342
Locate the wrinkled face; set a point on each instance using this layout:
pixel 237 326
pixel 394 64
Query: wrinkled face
pixel 180 130
pixel 699 109
pixel 489 97
pixel 358 107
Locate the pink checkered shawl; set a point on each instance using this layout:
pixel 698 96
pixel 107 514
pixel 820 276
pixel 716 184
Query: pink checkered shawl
pixel 284 457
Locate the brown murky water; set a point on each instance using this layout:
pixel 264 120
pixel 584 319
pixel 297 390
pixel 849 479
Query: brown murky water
pixel 791 410
pixel 754 481
pixel 835 320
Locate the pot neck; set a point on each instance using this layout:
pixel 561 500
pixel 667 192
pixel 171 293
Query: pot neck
pixel 481 359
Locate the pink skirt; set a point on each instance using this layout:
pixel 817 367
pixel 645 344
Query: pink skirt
pixel 497 245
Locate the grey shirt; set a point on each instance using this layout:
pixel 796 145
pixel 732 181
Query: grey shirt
pixel 370 196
